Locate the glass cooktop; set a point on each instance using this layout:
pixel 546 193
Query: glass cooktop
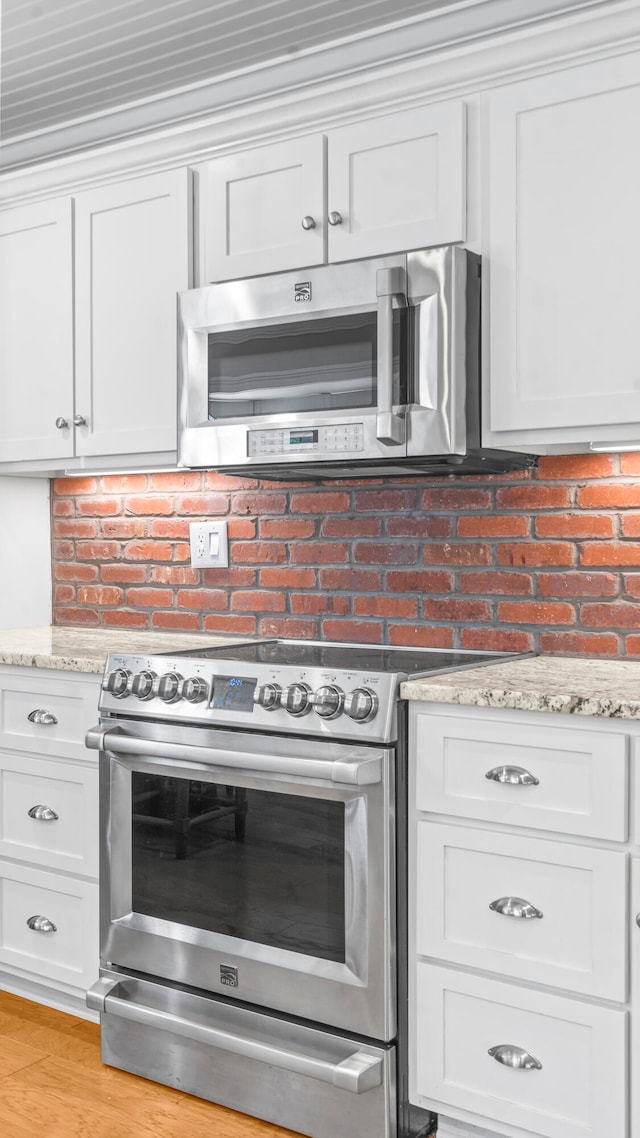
pixel 308 654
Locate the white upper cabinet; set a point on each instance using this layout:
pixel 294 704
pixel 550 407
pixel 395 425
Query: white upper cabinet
pixel 253 205
pixel 398 182
pixel 563 252
pixel 132 256
pixel 380 186
pixel 36 330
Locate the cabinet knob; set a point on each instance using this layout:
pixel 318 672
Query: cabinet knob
pixel 61 423
pixel 79 421
pixel 515 907
pixel 335 218
pixel 43 814
pixel 513 776
pixel 41 925
pixel 42 717
pixel 511 1056
pixel 308 222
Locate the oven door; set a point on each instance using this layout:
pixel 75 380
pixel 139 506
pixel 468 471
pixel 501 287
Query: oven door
pixel 250 866
pixel 298 366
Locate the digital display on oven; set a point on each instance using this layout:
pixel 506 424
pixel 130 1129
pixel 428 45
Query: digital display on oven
pixel 233 693
pixel 297 438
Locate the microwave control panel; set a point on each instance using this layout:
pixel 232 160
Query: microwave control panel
pixel 303 440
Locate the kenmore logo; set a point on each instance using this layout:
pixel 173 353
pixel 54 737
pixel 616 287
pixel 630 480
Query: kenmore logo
pixel 302 290
pixel 229 975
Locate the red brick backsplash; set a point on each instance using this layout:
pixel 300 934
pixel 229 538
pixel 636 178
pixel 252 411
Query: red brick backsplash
pixel 548 559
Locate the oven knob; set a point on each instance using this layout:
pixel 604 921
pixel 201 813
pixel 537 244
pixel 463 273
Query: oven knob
pixel 328 701
pixel 361 704
pixel 195 689
pixel 268 696
pixel 297 699
pixel 169 687
pixel 118 683
pixel 142 684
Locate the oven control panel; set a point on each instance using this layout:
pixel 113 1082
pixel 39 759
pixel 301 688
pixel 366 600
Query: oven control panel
pixel 238 694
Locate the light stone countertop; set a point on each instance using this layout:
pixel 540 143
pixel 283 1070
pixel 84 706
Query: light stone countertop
pixel 570 685
pixel 86 650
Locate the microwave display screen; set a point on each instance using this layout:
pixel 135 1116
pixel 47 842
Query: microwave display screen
pixel 328 363
pixel 298 438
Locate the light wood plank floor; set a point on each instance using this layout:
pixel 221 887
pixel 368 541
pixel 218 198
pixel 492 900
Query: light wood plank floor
pixel 53 1084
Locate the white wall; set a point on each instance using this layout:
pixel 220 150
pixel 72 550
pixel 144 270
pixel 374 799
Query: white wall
pixel 25 553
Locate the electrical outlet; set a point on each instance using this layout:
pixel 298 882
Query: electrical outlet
pixel 209 545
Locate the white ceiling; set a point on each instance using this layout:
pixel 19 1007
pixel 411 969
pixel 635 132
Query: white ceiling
pixel 65 59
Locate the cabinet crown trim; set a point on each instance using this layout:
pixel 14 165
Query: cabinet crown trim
pixel 484 43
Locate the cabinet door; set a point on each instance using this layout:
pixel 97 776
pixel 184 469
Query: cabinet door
pixel 49 813
pixel 46 715
pixel 576 1086
pixel 132 258
pixel 398 182
pixel 563 255
pixel 65 949
pixel 635 996
pixel 528 908
pixel 252 207
pixel 572 780
pixel 36 331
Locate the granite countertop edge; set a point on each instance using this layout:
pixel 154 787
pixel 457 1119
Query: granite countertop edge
pixel 65 649
pixel 514 700
pixel 584 686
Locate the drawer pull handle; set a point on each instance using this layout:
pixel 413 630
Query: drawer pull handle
pixel 511 1056
pixel 41 925
pixel 39 715
pixel 43 814
pixel 513 776
pixel 515 907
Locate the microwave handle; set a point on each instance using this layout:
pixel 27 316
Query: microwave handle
pixel 390 428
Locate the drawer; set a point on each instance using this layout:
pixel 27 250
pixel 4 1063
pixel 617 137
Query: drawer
pixel 70 708
pixel 580 1089
pixel 577 783
pixel 69 952
pixel 579 942
pixel 49 813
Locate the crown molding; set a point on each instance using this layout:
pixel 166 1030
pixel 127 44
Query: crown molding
pixel 458 51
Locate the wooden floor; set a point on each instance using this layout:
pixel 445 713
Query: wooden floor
pixel 53 1084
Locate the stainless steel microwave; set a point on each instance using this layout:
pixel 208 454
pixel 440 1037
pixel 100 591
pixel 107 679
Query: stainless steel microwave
pixel 356 369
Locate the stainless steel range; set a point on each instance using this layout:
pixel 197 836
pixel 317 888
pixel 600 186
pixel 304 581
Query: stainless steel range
pixel 253 878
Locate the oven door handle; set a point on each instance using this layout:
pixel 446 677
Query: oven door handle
pixel 358 1073
pixel 352 769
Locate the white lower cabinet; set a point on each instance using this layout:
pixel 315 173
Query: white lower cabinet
pixel 635 994
pixel 49 947
pixel 540 1062
pixel 528 908
pixel 48 925
pixel 49 813
pixel 520 930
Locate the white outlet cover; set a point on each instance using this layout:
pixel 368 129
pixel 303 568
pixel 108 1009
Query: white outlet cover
pixel 209 545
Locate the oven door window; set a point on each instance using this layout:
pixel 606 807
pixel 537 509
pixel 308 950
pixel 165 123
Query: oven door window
pixel 262 866
pixel 325 364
